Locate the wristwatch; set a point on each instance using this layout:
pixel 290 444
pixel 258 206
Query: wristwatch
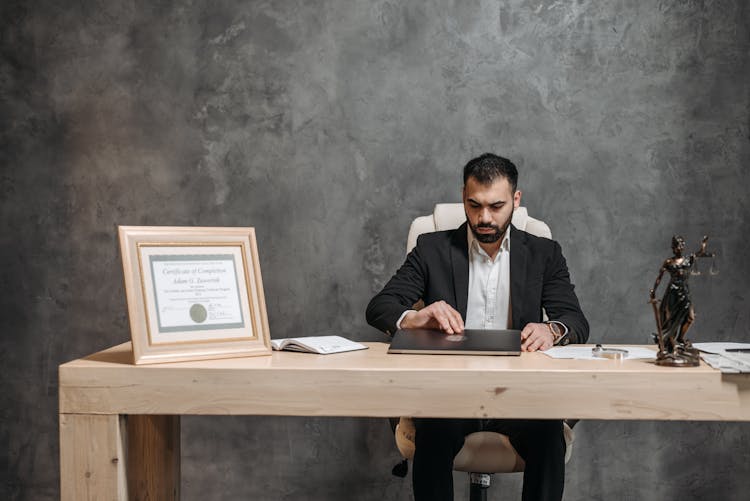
pixel 557 332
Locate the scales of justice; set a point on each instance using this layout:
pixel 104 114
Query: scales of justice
pixel 674 311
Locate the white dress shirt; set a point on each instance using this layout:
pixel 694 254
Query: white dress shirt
pixel 488 303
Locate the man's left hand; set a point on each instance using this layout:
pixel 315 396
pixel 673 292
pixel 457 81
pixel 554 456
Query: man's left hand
pixel 536 337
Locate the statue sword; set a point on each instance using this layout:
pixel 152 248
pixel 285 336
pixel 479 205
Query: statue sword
pixel 660 336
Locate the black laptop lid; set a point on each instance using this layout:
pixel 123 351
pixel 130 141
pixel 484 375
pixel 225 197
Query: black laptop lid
pixel 470 342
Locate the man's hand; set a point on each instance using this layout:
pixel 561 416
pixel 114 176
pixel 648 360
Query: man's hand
pixel 536 337
pixel 438 315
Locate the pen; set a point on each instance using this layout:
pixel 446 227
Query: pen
pixel 738 350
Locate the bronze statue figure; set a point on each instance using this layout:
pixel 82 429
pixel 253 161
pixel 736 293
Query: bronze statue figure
pixel 674 312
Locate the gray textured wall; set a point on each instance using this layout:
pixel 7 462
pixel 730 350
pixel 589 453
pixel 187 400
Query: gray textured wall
pixel 328 126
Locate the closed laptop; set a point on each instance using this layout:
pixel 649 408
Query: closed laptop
pixel 469 342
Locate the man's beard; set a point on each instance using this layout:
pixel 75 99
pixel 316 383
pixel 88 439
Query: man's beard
pixel 490 238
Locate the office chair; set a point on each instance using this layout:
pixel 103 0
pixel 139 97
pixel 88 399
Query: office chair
pixel 484 452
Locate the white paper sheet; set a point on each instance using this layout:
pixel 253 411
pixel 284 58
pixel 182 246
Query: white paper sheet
pixel 721 347
pixel 719 355
pixel 584 352
pixel 729 362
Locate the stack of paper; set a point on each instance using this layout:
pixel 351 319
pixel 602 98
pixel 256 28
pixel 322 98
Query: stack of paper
pixel 727 357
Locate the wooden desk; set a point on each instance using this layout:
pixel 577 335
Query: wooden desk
pixel 119 423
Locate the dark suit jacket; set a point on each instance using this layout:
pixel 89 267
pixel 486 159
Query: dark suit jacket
pixel 438 269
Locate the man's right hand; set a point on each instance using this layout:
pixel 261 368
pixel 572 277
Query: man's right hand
pixel 438 315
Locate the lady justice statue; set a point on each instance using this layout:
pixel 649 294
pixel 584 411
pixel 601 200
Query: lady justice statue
pixel 674 312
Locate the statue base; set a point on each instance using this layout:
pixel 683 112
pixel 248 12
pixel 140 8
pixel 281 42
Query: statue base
pixel 674 361
pixel 684 355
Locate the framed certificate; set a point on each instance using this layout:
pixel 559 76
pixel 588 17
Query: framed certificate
pixel 193 293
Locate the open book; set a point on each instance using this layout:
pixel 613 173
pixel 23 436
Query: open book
pixel 317 344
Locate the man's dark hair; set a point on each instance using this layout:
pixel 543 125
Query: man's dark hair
pixel 488 167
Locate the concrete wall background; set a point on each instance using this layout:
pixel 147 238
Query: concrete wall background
pixel 328 126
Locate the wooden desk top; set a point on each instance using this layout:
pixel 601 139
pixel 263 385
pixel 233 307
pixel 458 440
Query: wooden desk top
pixel 374 383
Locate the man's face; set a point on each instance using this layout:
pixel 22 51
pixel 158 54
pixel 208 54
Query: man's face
pixel 489 208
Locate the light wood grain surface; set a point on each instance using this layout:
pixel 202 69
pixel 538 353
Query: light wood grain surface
pixel 92 458
pixel 373 383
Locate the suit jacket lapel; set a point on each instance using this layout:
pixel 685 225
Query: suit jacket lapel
pixel 518 255
pixel 459 255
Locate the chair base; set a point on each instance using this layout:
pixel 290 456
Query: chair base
pixel 478 485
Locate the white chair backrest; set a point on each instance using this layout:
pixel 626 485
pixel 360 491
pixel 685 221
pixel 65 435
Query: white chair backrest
pixel 451 216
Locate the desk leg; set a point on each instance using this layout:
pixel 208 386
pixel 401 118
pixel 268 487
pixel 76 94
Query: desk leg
pixel 92 459
pixel 153 457
pixel 119 458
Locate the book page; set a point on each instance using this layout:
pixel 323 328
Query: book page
pixel 317 344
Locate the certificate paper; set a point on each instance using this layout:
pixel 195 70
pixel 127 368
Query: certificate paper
pixel 197 293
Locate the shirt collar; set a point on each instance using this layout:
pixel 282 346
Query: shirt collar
pixel 475 247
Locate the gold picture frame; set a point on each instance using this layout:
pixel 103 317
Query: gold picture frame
pixel 193 293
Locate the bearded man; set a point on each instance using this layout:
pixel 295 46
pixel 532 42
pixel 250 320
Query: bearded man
pixel 486 274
